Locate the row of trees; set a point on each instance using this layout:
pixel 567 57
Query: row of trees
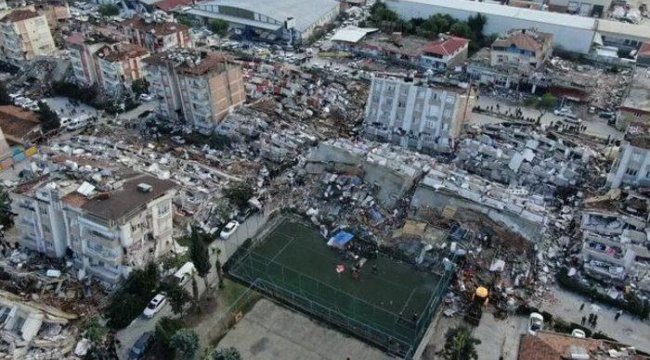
pixel 472 29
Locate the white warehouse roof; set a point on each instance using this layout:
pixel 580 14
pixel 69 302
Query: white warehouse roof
pixel 304 12
pixel 545 17
pixel 352 34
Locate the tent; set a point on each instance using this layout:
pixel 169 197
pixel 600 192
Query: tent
pixel 340 239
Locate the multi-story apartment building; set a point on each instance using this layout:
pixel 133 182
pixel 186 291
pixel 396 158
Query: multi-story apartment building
pixel 82 49
pixel 632 166
pixel 200 87
pixel 416 115
pixel 522 49
pixel 119 65
pixel 156 36
pixel 108 232
pixel 24 35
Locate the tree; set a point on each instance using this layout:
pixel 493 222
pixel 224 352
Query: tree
pixel 229 353
pixel 186 343
pixel 476 24
pixel 460 345
pixel 5 99
pixel 195 292
pixel 6 216
pixel 239 194
pixel 219 27
pixel 199 255
pixel 461 29
pixel 140 86
pixel 124 307
pixel 49 119
pixel 166 328
pixel 109 10
pixel 547 101
pixel 177 296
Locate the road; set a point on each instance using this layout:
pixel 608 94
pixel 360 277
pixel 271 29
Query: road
pixel 131 333
pixel 595 126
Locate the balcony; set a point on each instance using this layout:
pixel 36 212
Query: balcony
pixel 605 269
pixel 107 254
pixel 105 274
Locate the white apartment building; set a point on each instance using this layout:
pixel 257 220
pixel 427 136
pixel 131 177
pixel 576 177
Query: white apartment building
pixel 107 232
pixel 200 87
pixel 416 115
pixel 632 166
pixel 24 35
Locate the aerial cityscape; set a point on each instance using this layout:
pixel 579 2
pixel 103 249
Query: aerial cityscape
pixel 324 179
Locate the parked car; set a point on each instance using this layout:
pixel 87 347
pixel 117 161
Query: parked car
pixel 535 323
pixel 184 274
pixel 606 115
pixel 578 333
pixel 229 229
pixel 565 111
pixel 572 120
pixel 141 346
pixel 146 97
pixel 154 306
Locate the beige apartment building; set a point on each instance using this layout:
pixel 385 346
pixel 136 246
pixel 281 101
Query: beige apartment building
pixel 200 87
pixel 523 49
pixel 109 229
pixel 156 36
pixel 24 35
pixel 118 66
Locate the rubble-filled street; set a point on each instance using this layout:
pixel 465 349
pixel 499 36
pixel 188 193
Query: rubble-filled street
pixel 324 179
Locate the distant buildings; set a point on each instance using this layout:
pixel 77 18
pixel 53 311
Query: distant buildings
pixel 200 87
pixel 108 231
pixel 522 49
pixel 24 35
pixel 415 115
pixel 291 20
pixel 156 36
pixel 588 8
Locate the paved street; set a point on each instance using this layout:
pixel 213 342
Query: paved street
pixel 130 334
pixel 628 330
pixel 595 126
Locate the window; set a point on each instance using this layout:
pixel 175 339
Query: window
pixel 631 172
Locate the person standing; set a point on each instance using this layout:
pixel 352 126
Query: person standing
pixel 584 319
pixel 582 306
pixel 618 315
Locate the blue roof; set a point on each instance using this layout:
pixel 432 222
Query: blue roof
pixel 341 238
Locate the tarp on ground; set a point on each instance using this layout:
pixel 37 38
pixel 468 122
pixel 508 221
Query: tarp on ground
pixel 340 239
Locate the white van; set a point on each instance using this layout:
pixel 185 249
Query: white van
pixel 77 124
pixel 184 274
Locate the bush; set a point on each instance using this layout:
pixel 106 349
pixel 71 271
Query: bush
pixel 185 342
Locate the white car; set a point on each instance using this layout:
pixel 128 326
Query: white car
pixel 578 333
pixel 229 229
pixel 146 97
pixel 154 306
pixel 535 323
pixel 564 112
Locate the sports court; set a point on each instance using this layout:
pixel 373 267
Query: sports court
pixel 390 306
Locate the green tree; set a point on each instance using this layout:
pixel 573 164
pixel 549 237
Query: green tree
pixel 460 345
pixel 239 193
pixel 219 27
pixel 186 343
pixel 199 255
pixel 140 86
pixel 49 119
pixel 195 293
pixel 177 296
pixel 461 29
pixel 6 216
pixel 166 327
pixel 547 102
pixel 476 24
pixel 5 99
pixel 229 353
pixel 130 301
pixel 109 10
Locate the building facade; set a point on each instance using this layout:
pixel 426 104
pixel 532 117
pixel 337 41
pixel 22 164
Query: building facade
pixel 82 49
pixel 107 233
pixel 632 166
pixel 24 35
pixel 118 66
pixel 416 116
pixel 522 49
pixel 200 87
pixel 156 36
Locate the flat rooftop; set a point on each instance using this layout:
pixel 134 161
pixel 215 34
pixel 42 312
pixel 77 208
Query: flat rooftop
pixel 639 96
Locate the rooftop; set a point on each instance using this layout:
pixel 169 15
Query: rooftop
pixel 191 61
pixel 404 45
pixel 304 12
pixel 17 123
pixel 121 51
pixel 169 5
pixel 524 39
pixel 644 50
pixel 638 97
pixel 121 202
pixel 352 34
pixel 156 28
pixel 446 45
pixel 555 346
pixel 20 15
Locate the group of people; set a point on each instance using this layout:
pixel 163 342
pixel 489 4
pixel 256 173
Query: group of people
pixel 592 320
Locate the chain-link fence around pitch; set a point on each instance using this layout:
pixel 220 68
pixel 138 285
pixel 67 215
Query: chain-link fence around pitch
pixel 390 305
